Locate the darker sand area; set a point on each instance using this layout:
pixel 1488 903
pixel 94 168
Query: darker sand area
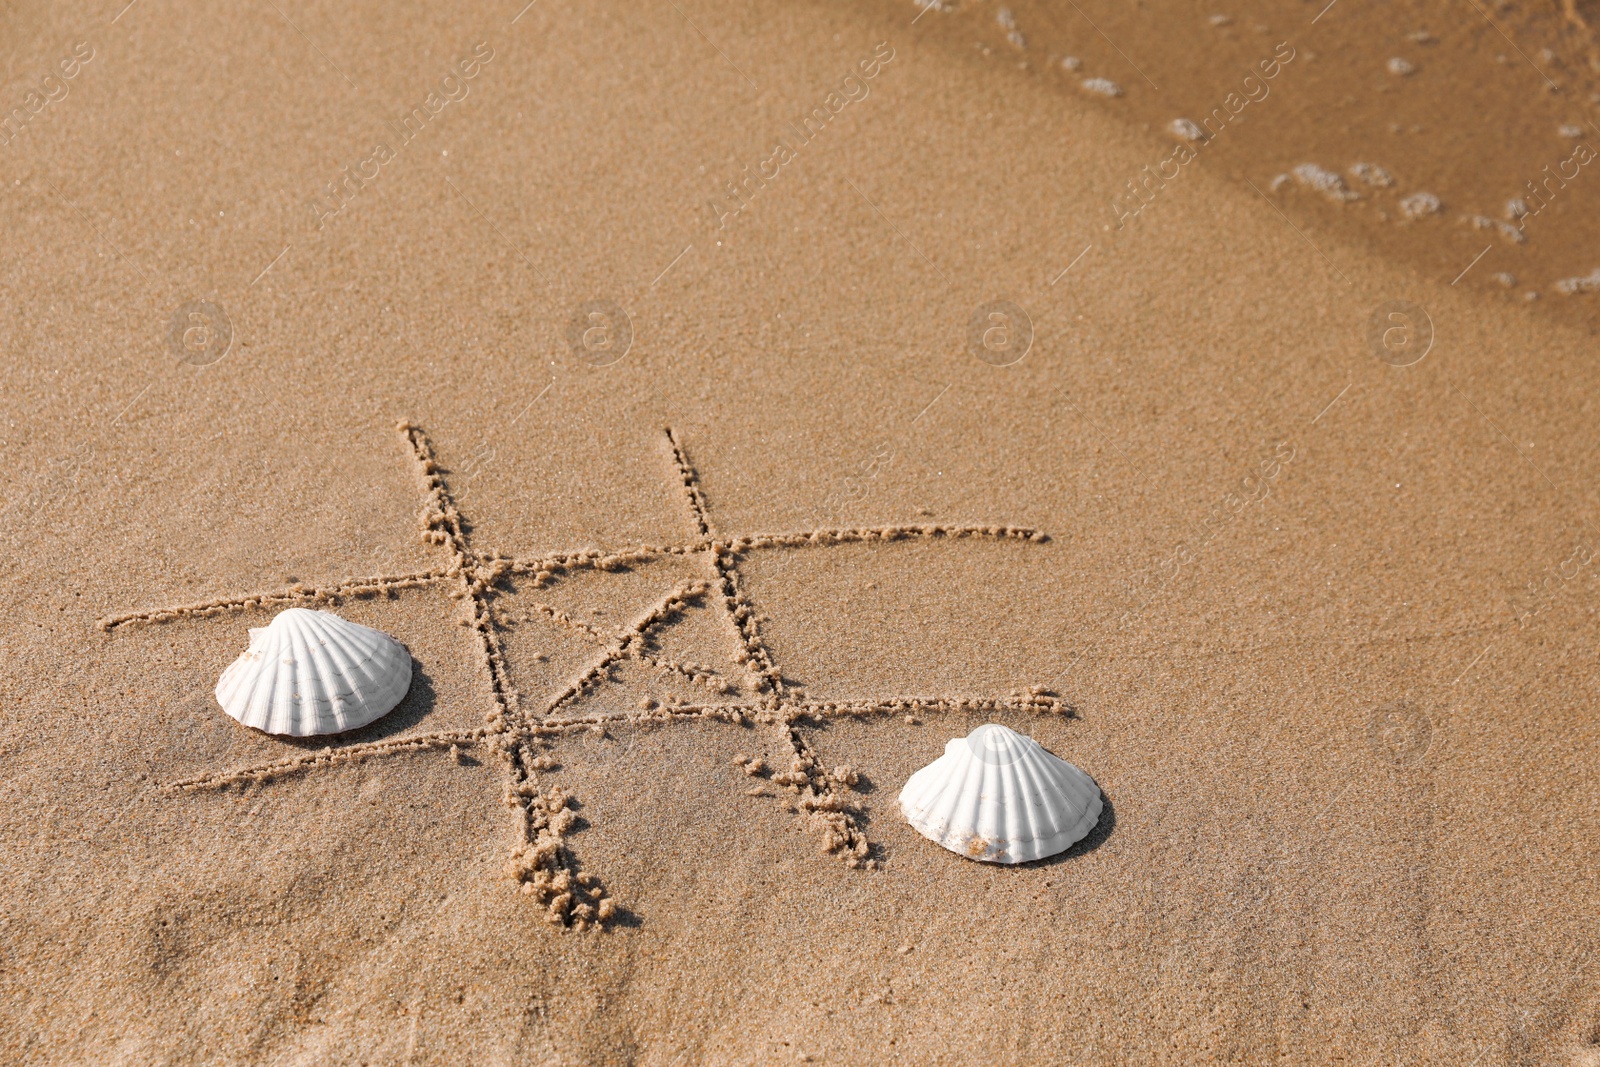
pixel 1313 597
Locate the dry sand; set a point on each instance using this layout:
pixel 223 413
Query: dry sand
pixel 1326 625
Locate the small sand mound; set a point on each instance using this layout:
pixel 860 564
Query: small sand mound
pixel 1589 283
pixel 1325 182
pixel 1186 129
pixel 1008 22
pixel 1372 175
pixel 1420 205
pixel 1504 229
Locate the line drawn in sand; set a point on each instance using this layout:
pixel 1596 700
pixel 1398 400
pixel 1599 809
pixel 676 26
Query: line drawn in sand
pixel 542 862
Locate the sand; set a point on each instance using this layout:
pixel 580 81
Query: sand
pixel 787 389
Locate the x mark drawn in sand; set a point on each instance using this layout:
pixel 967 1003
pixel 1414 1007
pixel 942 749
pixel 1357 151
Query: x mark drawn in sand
pixel 542 861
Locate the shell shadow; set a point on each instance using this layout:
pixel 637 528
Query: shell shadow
pixel 1096 837
pixel 414 707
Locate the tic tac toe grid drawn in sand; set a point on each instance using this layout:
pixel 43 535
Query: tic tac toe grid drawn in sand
pixel 488 584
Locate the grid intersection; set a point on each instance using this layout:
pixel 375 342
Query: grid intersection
pixel 542 861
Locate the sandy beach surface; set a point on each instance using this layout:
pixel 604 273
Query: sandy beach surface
pixel 727 405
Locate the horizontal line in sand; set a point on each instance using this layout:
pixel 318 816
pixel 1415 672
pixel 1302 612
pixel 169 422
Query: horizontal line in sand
pixel 555 727
pixel 789 710
pixel 333 756
pixel 581 559
pixel 355 587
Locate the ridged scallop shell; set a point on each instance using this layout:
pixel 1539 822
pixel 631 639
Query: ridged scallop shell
pixel 311 672
pixel 998 796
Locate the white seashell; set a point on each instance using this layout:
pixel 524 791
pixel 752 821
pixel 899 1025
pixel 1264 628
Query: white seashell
pixel 311 672
pixel 998 796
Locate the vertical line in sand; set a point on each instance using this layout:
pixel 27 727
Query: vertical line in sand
pixel 541 862
pixel 842 831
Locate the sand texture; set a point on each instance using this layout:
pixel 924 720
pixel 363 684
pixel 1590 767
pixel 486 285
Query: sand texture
pixel 727 405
